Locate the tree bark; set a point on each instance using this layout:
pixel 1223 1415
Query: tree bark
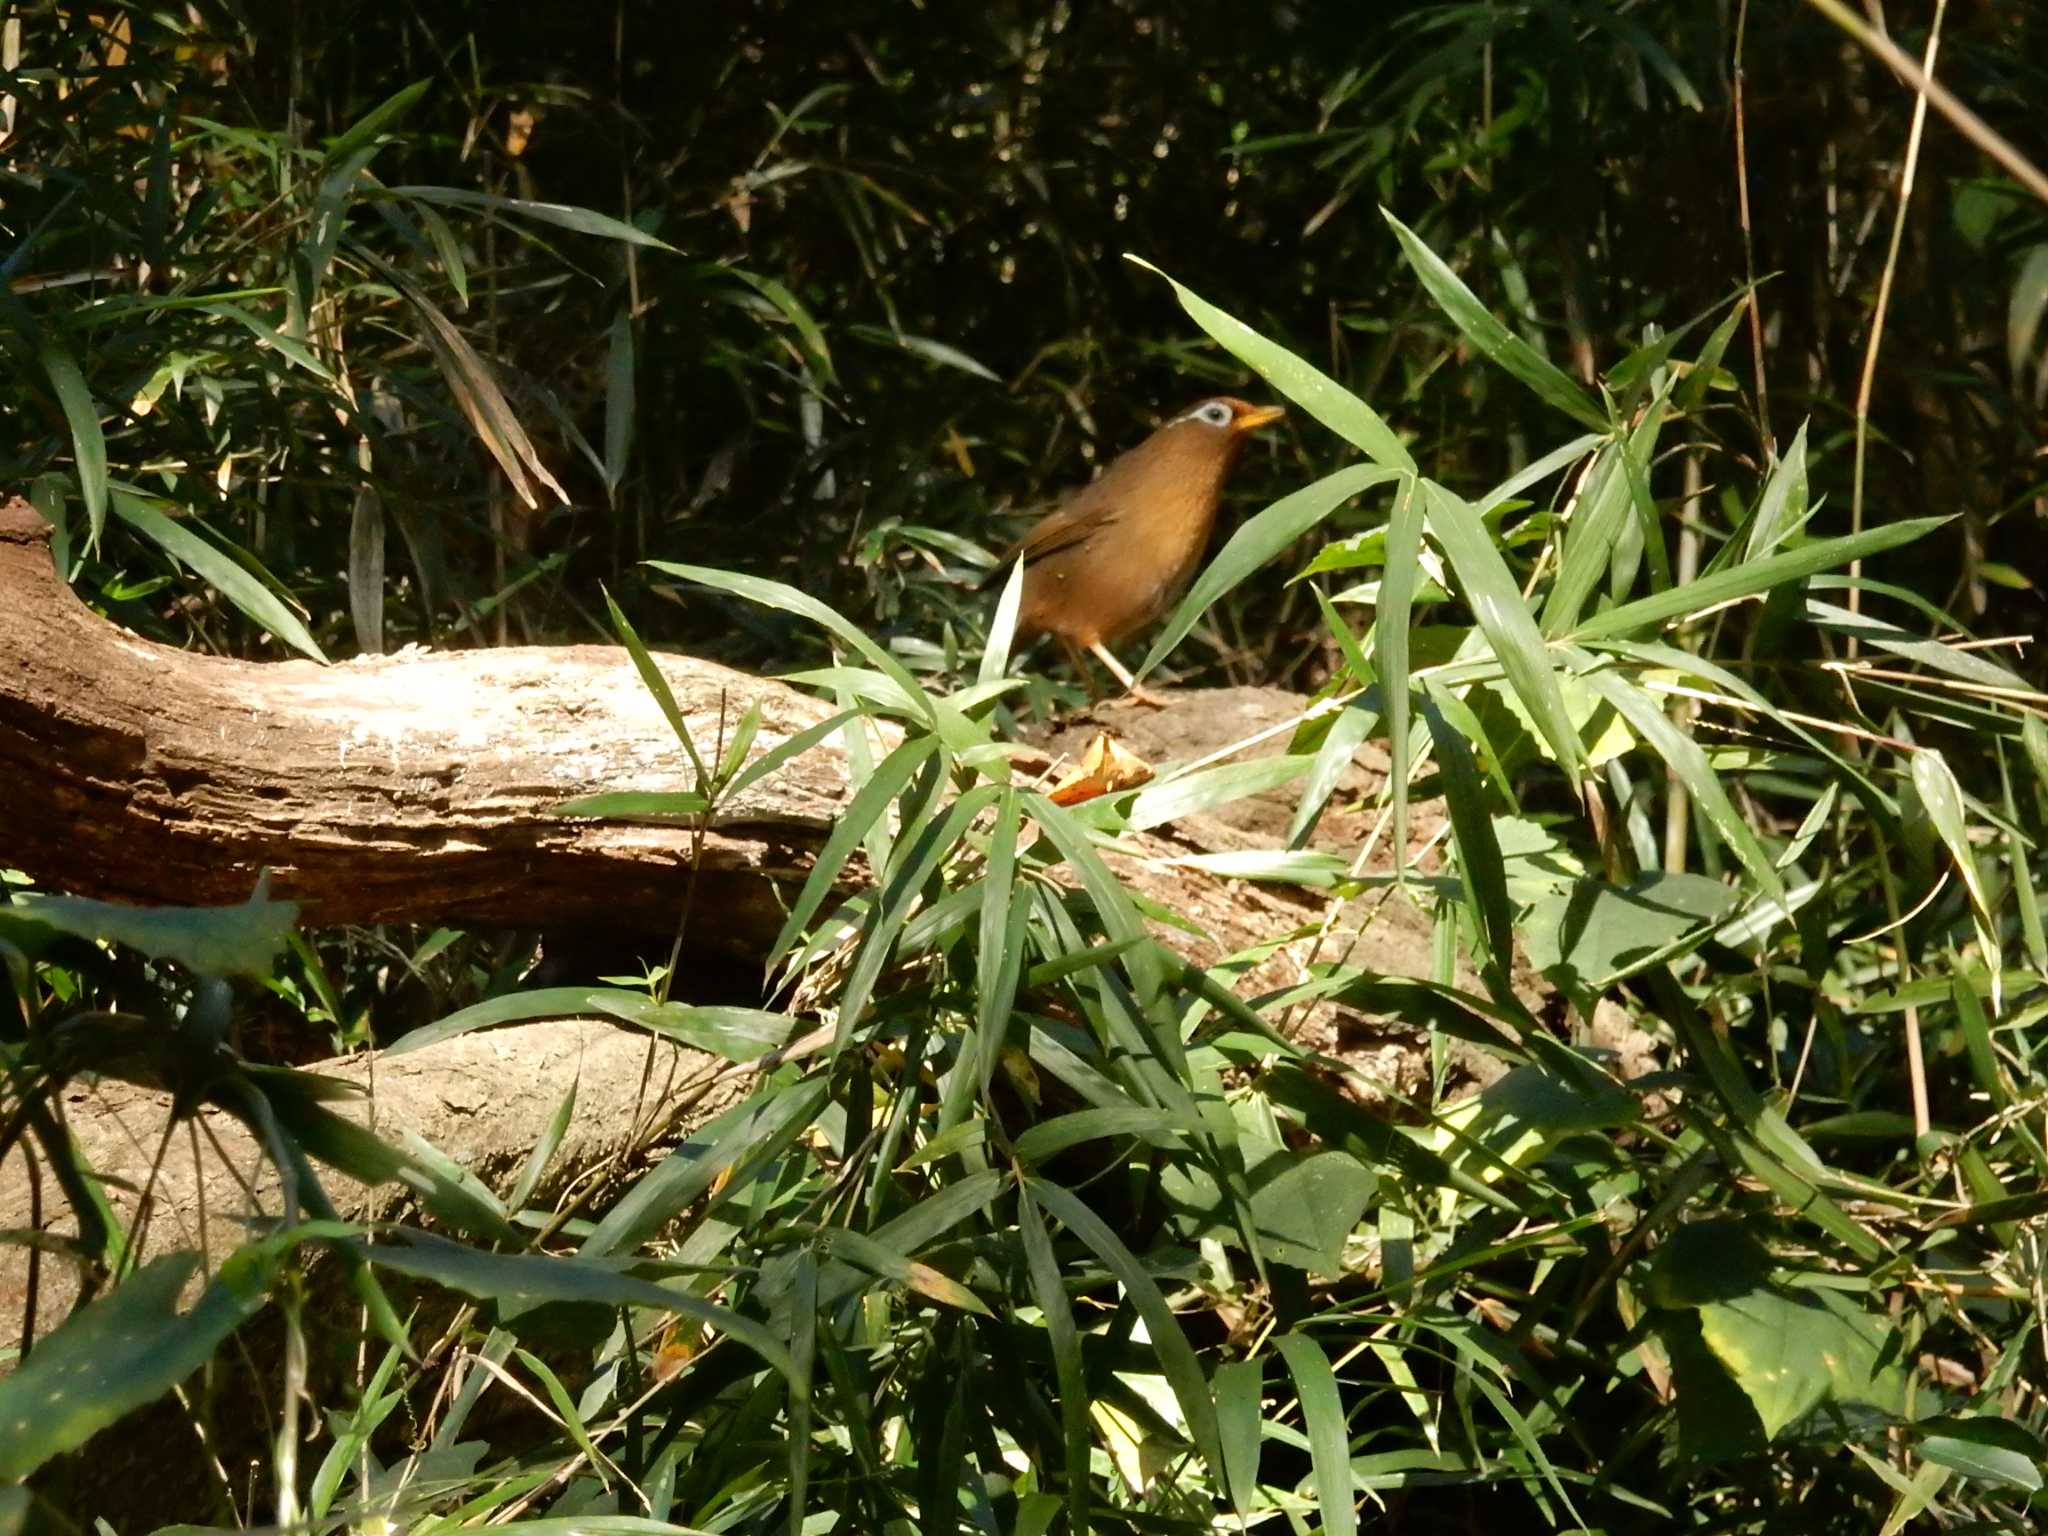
pixel 421 788
pixel 411 788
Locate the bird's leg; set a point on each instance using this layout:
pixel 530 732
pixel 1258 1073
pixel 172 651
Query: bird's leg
pixel 1079 662
pixel 1132 691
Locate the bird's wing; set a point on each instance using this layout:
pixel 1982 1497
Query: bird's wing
pixel 1078 520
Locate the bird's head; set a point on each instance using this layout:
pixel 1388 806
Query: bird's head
pixel 1227 415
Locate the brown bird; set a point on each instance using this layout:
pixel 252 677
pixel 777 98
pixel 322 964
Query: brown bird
pixel 1110 558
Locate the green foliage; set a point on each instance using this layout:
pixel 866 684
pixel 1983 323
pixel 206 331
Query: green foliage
pixel 1027 1222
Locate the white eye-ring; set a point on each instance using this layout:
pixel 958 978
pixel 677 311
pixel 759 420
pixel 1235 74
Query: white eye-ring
pixel 1215 413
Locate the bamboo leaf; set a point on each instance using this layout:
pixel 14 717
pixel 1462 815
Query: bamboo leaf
pixel 870 803
pixel 756 1131
pixel 1935 782
pixel 1689 762
pixel 475 389
pixel 1005 912
pixel 583 221
pixel 364 131
pixel 1307 386
pixel 122 1350
pixel 1051 1137
pixel 619 398
pixel 1391 651
pixel 656 683
pixel 1782 508
pixel 1176 1357
pixel 1479 858
pixel 1002 629
pixel 1493 339
pixel 1347 732
pixel 1497 604
pixel 217 569
pixel 1752 578
pixel 1258 541
pixel 1238 1384
pixel 88 443
pixel 1329 1435
pixel 787 599
pixel 1049 1290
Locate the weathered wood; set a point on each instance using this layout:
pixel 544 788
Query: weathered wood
pixel 421 788
pixel 409 788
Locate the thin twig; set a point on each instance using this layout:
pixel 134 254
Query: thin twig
pixel 1965 122
pixel 1677 799
pixel 1884 295
pixel 1756 311
pixel 1916 1058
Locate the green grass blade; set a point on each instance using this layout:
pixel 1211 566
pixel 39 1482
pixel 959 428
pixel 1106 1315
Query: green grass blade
pixel 1258 541
pixel 1493 339
pixel 786 599
pixel 1752 578
pixel 1176 1357
pixel 1307 386
pixel 1505 619
pixel 1329 1435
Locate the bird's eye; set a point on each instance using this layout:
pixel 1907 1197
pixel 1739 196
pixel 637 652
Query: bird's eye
pixel 1216 413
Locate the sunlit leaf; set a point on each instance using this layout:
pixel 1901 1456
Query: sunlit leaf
pixel 1498 606
pixel 1752 578
pixel 1493 339
pixel 1261 538
pixel 1307 386
pixel 241 940
pixel 1329 1434
pixel 583 220
pixel 123 1350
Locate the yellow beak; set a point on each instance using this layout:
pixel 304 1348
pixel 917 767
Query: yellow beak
pixel 1252 420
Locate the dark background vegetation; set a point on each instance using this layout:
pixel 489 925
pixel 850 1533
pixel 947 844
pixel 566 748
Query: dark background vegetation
pixel 971 175
pixel 894 307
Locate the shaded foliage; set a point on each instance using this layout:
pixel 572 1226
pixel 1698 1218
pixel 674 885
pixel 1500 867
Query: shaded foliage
pixel 1053 1226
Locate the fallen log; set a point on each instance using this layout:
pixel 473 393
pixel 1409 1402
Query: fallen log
pixel 422 788
pixel 418 787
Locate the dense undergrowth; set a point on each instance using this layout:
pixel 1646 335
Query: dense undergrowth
pixel 1059 1232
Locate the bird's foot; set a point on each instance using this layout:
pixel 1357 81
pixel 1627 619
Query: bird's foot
pixel 1132 692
